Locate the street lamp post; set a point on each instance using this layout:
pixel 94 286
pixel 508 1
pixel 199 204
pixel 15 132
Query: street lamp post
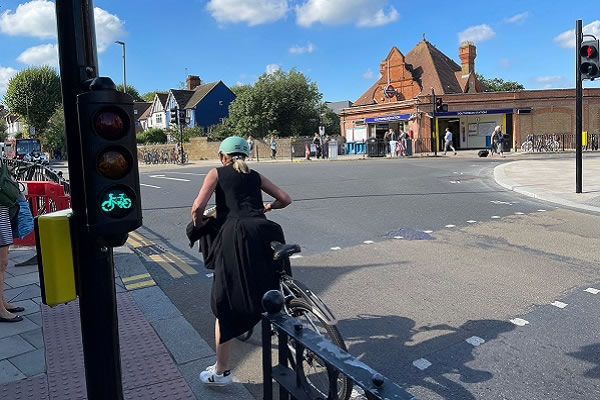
pixel 124 77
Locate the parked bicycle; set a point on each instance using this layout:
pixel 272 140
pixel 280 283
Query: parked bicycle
pixel 527 145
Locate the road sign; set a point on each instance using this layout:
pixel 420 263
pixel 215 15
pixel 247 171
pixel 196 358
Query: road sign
pixel 389 91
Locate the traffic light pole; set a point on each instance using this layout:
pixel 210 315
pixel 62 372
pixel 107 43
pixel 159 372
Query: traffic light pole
pixel 180 137
pixel 578 110
pixel 433 130
pixel 95 270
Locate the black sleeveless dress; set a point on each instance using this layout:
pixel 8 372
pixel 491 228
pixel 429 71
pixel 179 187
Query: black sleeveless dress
pixel 244 268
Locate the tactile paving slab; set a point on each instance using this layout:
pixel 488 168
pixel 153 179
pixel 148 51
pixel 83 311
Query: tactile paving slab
pixel 172 390
pixel 35 388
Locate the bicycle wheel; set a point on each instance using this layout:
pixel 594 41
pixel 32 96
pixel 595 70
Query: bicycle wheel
pixel 316 372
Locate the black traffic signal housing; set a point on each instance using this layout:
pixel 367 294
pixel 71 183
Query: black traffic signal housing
pixel 440 106
pixel 590 61
pixel 173 114
pixel 109 160
pixel 181 116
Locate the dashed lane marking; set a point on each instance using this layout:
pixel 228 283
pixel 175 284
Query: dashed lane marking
pixel 519 213
pixel 295 256
pixel 152 186
pixel 187 173
pixel 541 210
pixel 165 264
pixel 519 321
pixel 180 263
pixel 398 237
pixel 559 304
pixel 450 226
pixel 495 217
pixel 592 290
pixel 427 231
pixel 149 282
pixel 368 242
pixel 475 341
pixel 169 178
pixel 422 364
pixel 336 248
pixel 471 221
pixel 135 277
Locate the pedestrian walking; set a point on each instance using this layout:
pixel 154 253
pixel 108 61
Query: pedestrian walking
pixel 403 141
pixel 240 254
pixel 250 142
pixel 448 141
pixel 499 140
pixel 317 142
pixel 273 148
pixel 386 141
pixel 326 147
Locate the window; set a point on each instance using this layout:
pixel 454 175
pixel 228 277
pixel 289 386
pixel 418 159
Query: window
pixel 159 118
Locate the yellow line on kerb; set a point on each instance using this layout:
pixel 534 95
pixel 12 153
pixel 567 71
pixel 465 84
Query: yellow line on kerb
pixel 181 264
pixel 163 262
pixel 133 242
pixel 140 284
pixel 135 277
pixel 141 239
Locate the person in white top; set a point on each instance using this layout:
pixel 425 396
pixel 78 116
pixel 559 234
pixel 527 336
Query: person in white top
pixel 448 141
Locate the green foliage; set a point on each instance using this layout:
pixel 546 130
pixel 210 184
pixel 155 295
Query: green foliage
pixel 149 96
pixel 132 91
pixel 498 84
pixel 219 132
pixel 54 136
pixel 281 103
pixel 239 89
pixel 3 130
pixel 330 121
pixel 36 89
pixel 152 135
pixel 189 133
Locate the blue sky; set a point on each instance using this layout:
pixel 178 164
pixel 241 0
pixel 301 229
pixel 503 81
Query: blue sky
pixel 337 43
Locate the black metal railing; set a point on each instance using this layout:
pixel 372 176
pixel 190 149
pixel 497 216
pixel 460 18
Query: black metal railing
pixel 28 171
pixel 293 382
pixel 553 142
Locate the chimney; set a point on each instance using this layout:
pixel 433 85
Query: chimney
pixel 192 81
pixel 467 54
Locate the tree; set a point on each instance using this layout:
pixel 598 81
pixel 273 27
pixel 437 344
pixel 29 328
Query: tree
pixel 34 94
pixel 54 137
pixel 152 135
pixel 132 91
pixel 281 104
pixel 3 130
pixel 331 121
pixel 149 96
pixel 498 84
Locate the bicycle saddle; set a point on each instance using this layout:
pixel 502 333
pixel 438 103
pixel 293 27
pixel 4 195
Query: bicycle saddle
pixel 281 250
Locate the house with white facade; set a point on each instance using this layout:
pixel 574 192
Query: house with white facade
pixel 158 117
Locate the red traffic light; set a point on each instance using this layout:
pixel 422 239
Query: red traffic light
pixel 111 124
pixel 588 51
pixel 438 101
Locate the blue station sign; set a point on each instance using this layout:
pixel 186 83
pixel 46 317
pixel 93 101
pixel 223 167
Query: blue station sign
pixel 474 112
pixel 387 118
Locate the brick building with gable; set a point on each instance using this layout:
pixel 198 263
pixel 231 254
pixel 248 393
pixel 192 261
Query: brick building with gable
pixel 401 99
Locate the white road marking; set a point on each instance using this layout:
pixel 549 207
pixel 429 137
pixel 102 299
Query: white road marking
pixel 475 341
pixel 336 248
pixel 500 202
pixel 357 392
pixel 209 275
pixel 368 242
pixel 519 213
pixel 296 256
pixel 422 364
pixel 450 226
pixel 427 231
pixel 592 290
pixel 171 179
pixel 519 321
pixel 398 237
pixel 454 181
pixel 187 173
pixel 559 304
pixel 471 221
pixel 541 210
pixel 152 186
pixel 495 217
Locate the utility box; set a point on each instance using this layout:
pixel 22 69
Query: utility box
pixel 56 263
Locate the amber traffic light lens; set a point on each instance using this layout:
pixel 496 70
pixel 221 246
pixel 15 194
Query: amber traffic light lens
pixel 113 164
pixel 110 124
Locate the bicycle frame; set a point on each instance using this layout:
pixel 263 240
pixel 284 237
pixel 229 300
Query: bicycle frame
pixel 294 288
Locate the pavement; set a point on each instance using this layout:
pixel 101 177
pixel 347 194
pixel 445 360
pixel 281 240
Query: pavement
pixel 553 180
pixel 41 357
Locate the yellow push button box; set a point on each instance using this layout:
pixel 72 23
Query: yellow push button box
pixel 55 257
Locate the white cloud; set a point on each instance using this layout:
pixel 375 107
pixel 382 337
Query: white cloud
pixel 368 74
pixel 37 18
pixel 309 48
pixel 5 74
pixel 252 12
pixel 364 13
pixel 45 54
pixel 272 68
pixel 552 82
pixel 567 39
pixel 519 18
pixel 478 33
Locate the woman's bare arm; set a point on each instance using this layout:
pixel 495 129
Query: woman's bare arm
pixel 207 189
pixel 282 199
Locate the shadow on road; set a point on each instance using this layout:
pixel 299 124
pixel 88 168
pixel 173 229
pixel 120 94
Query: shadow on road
pixel 591 354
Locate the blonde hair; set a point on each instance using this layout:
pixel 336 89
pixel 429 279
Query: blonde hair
pixel 239 162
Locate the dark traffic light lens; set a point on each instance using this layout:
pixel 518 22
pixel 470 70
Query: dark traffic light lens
pixel 117 202
pixel 111 124
pixel 114 163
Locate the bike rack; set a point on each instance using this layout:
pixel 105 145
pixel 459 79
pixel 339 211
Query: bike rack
pixel 293 382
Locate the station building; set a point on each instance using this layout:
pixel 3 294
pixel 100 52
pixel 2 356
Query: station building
pixel 402 99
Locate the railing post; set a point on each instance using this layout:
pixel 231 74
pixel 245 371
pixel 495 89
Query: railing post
pixel 266 360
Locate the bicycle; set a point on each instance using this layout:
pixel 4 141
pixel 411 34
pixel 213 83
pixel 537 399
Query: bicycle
pixel 120 201
pixel 527 145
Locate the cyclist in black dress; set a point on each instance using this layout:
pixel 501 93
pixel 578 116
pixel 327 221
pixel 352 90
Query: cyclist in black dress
pixel 241 256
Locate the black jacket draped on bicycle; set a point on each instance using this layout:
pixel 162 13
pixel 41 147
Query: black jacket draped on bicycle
pixel 240 253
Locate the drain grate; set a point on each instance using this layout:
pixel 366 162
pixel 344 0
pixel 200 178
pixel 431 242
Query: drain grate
pixel 150 250
pixel 409 234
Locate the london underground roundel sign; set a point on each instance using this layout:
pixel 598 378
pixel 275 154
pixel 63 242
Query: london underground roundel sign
pixel 389 91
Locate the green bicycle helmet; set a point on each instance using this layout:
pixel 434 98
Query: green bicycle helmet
pixel 234 144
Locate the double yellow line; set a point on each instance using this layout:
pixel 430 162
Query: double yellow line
pixel 170 262
pixel 145 280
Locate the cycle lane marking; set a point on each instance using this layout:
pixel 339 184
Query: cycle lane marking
pixel 152 186
pixel 169 178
